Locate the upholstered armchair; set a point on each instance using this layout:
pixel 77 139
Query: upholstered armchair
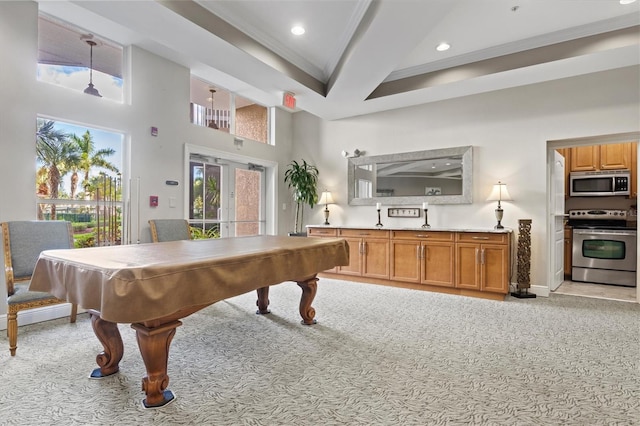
pixel 23 241
pixel 169 230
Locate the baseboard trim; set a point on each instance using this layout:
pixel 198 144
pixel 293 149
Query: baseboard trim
pixel 46 313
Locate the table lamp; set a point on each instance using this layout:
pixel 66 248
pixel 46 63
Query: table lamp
pixel 499 193
pixel 326 199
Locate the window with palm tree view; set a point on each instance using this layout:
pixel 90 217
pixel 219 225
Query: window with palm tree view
pixel 78 179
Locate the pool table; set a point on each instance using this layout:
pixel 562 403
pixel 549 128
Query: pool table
pixel 152 286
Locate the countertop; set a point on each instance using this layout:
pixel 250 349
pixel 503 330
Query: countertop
pixel 418 228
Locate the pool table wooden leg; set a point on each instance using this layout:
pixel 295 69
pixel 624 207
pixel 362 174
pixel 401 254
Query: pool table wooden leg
pixel 108 334
pixel 263 301
pixel 154 345
pixel 309 288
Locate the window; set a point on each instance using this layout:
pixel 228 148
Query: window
pixel 71 57
pixel 219 109
pixel 78 178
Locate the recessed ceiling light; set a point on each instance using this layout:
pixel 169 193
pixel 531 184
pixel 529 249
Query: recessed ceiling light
pixel 627 1
pixel 442 47
pixel 297 30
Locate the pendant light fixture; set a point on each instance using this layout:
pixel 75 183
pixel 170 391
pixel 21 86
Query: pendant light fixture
pixel 212 122
pixel 90 90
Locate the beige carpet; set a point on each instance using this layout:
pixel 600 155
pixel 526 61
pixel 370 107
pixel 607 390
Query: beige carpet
pixel 378 356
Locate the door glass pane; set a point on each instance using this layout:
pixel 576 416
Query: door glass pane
pixel 248 201
pixel 204 198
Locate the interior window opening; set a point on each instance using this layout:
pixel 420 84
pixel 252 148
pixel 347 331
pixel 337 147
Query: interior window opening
pixel 214 107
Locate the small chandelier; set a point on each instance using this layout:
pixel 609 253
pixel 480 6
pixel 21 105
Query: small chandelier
pixel 212 122
pixel 90 90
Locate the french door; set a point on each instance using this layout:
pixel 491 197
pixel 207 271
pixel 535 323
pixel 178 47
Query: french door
pixel 226 198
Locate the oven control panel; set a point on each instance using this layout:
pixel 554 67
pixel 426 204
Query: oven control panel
pixel 598 214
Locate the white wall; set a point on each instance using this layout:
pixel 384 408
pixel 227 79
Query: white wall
pixel 508 129
pixel 158 96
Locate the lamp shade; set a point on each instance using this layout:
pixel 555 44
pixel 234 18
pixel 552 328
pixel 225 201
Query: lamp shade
pixel 326 198
pixel 499 193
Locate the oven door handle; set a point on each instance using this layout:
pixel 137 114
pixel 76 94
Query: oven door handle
pixel 601 232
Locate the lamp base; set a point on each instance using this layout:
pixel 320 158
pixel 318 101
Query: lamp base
pixel 523 295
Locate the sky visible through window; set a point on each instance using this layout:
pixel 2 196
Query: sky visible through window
pixel 77 78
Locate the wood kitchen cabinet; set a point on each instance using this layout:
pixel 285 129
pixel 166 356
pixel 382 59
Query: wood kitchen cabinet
pixel 324 233
pixel 566 153
pixel 634 170
pixel 368 252
pixel 601 157
pixel 568 252
pixel 425 257
pixel 482 262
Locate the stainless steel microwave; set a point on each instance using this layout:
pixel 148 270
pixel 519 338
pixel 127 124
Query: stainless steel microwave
pixel 599 184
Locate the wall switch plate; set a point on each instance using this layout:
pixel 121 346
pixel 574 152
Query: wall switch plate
pixel 403 212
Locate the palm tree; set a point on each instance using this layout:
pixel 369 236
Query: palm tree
pixel 56 153
pixel 89 158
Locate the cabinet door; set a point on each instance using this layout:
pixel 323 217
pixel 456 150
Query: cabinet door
pixel 467 266
pixel 634 170
pixel 323 233
pixel 566 153
pixel 438 261
pixel 353 268
pixel 375 258
pixel 615 156
pixel 585 158
pixel 405 262
pixel 495 268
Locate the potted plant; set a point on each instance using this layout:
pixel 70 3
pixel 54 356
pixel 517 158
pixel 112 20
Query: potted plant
pixel 302 179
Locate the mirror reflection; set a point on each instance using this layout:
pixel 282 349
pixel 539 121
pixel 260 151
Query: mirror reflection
pixel 441 176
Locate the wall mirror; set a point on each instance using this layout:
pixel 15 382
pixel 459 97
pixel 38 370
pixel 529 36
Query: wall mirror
pixel 438 176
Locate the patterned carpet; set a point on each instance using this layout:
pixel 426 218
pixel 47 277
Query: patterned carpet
pixel 378 356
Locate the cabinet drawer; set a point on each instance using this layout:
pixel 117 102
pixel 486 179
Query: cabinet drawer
pixel 363 233
pixel 482 237
pixel 322 232
pixel 422 235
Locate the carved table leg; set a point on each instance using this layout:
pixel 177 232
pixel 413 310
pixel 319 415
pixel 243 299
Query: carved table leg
pixel 263 301
pixel 108 334
pixel 154 345
pixel 309 287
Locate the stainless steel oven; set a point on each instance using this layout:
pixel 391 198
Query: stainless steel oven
pixel 604 248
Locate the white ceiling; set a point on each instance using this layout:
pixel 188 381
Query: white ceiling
pixel 364 56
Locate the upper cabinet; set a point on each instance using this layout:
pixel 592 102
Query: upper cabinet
pixel 601 157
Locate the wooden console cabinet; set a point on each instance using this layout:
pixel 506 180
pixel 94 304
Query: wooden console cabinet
pixel 368 253
pixel 482 261
pixel 456 262
pixel 425 257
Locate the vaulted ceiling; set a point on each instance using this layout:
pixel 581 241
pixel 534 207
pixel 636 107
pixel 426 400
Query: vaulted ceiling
pixel 362 56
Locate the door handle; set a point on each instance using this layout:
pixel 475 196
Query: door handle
pixel 482 257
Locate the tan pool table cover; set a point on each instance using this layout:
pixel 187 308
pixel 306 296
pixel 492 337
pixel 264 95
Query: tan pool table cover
pixel 136 283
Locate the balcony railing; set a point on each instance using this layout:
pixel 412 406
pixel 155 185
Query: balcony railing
pixel 202 116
